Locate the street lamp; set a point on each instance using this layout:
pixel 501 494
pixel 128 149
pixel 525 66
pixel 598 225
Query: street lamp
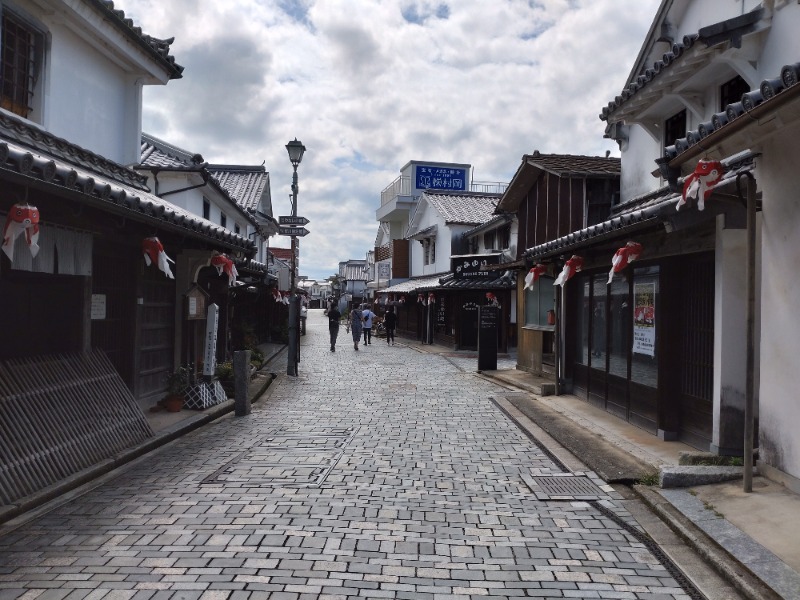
pixel 296 151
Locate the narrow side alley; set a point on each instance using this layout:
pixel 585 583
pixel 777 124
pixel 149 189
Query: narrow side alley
pixel 383 473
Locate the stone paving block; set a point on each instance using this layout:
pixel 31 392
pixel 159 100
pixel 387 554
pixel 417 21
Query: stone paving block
pixel 425 500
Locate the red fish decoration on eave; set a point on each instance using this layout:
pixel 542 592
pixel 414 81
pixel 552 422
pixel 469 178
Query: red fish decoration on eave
pixel 701 182
pixel 572 266
pixel 22 218
pixel 154 254
pixel 223 264
pixel 623 257
pixel 533 275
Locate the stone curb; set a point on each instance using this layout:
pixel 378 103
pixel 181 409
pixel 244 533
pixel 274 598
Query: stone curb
pixel 680 476
pixel 715 555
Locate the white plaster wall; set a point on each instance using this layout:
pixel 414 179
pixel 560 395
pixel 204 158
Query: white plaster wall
pixel 730 316
pixel 783 44
pixel 780 292
pixel 638 162
pixel 90 101
pixel 707 12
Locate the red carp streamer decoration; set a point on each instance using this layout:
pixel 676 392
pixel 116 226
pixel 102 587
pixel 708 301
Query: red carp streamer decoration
pixel 431 298
pixel 154 254
pixel 533 275
pixel 492 299
pixel 700 184
pixel 623 257
pixel 276 296
pixel 572 266
pixel 223 264
pixel 21 218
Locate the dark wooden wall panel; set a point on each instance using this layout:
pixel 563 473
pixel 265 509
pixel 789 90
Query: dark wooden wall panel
pixel 576 205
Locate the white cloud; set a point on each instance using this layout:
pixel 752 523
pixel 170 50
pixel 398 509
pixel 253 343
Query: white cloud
pixel 368 85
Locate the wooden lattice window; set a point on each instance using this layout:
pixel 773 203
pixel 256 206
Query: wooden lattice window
pixel 19 54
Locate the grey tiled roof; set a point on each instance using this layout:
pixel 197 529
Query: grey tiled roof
pixel 463 207
pixel 477 283
pixel 157 48
pixel 243 185
pixel 158 153
pixel 671 60
pixel 25 134
pixel 67 170
pixel 247 184
pixel 570 164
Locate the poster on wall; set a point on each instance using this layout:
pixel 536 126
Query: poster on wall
pixel 644 318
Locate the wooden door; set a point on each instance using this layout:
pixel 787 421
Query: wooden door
pixel 697 353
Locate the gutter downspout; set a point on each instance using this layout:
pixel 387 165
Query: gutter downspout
pixel 203 174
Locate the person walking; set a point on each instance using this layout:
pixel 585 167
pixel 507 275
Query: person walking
pixel 333 325
pixel 303 317
pixel 355 325
pixel 390 322
pixel 367 316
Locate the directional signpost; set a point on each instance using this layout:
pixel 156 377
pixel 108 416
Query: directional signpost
pixel 297 221
pixel 293 231
pixel 293 226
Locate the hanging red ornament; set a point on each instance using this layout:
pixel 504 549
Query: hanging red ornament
pixel 700 184
pixel 572 266
pixel 21 218
pixel 154 254
pixel 533 275
pixel 431 298
pixel 623 257
pixel 223 264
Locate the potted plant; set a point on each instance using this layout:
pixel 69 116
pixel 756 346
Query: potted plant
pixel 224 373
pixel 177 383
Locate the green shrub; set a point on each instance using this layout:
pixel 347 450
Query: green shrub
pixel 224 371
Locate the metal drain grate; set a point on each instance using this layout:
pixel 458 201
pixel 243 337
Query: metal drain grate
pixel 564 487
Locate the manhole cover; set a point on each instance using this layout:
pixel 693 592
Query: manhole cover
pixel 289 457
pixel 563 487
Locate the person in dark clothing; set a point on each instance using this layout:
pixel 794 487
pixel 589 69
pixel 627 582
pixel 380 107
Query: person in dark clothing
pixel 333 325
pixel 390 322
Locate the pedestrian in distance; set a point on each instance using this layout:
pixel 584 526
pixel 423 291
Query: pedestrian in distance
pixel 356 319
pixel 333 325
pixel 303 317
pixel 367 317
pixel 390 322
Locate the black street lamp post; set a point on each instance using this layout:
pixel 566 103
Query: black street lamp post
pixel 295 150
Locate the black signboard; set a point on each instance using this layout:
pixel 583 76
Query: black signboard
pixel 488 320
pixel 469 265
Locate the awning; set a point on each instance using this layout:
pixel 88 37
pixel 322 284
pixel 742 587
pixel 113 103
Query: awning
pixel 424 233
pixel 412 285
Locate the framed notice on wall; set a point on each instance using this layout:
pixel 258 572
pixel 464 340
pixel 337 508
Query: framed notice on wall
pixel 196 301
pixel 644 318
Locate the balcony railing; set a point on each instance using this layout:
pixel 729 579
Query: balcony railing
pixel 402 187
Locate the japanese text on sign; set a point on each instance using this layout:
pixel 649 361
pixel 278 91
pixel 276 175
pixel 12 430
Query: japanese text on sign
pixel 441 178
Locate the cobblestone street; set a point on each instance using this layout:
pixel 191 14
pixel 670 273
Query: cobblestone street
pixel 383 473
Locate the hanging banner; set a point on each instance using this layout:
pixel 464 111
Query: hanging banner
pixel 210 348
pixel 644 318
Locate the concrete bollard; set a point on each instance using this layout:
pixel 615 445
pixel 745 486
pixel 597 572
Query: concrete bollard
pixel 241 378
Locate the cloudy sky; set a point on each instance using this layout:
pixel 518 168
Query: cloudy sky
pixel 368 85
